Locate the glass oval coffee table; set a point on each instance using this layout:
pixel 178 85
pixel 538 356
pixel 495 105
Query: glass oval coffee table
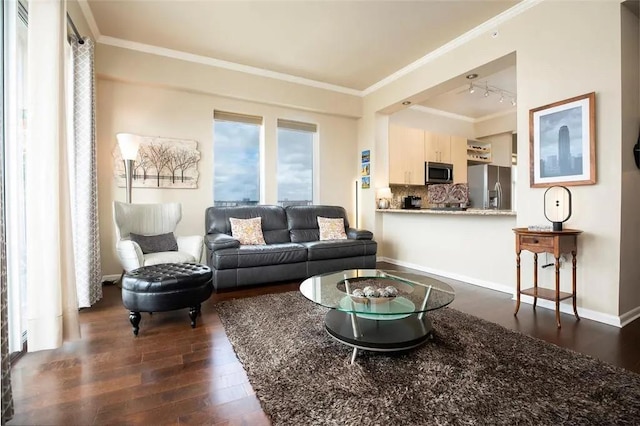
pixel 377 310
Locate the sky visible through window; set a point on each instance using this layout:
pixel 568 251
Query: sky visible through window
pixel 236 168
pixel 236 177
pixel 295 167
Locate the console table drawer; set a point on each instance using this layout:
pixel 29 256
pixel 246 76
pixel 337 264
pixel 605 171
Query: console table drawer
pixel 536 243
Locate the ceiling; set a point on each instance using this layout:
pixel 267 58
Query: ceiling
pixel 501 89
pixel 350 44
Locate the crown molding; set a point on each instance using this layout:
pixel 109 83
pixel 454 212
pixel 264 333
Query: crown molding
pixel 88 16
pixel 461 117
pixel 486 26
pixel 218 63
pixel 205 60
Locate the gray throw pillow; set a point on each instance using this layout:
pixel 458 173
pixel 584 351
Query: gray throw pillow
pixel 155 243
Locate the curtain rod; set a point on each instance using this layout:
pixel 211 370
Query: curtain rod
pixel 75 30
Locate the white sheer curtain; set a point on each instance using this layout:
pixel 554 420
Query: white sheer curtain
pixel 52 315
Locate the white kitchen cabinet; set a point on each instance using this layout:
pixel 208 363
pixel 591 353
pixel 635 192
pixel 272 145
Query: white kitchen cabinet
pixel 406 155
pixel 437 147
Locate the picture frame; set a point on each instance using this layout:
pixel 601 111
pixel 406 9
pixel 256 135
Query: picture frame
pixel 161 163
pixel 366 182
pixel 562 148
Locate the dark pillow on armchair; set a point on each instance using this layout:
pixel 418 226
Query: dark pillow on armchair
pixel 155 243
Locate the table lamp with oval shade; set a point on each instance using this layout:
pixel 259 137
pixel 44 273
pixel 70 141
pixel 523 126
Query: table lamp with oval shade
pixel 557 206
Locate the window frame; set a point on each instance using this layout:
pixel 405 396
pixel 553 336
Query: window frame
pixel 239 118
pixel 299 126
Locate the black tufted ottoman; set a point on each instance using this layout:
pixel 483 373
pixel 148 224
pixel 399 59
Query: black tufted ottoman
pixel 166 287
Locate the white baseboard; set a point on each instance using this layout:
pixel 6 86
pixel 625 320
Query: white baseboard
pixel 567 308
pixel 112 277
pixel 629 316
pixel 447 274
pixel 616 321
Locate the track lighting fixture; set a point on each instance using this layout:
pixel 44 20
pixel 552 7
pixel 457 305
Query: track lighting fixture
pixel 489 90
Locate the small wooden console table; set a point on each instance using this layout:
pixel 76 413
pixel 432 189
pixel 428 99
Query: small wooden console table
pixel 555 242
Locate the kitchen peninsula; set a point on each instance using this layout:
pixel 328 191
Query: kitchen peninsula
pixel 473 245
pixel 467 212
pixel 440 227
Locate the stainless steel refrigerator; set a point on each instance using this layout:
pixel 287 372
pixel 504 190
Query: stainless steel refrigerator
pixel 489 187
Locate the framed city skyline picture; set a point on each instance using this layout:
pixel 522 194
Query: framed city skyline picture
pixel 562 146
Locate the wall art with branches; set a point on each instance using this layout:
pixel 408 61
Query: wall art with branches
pixel 161 163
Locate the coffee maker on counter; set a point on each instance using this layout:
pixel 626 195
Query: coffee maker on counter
pixel 411 202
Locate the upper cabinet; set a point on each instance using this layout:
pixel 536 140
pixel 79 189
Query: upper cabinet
pixel 409 149
pixel 406 155
pixel 459 159
pixel 437 147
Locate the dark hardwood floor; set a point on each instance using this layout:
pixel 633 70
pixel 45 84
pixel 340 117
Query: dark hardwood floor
pixel 172 374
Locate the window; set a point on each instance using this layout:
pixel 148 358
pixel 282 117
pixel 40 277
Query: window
pixel 236 159
pixel 295 162
pixel 15 116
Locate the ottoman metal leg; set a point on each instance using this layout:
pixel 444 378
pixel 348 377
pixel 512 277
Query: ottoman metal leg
pixel 194 311
pixel 134 317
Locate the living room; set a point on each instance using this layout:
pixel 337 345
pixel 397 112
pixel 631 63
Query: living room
pixel 143 90
pixel 133 98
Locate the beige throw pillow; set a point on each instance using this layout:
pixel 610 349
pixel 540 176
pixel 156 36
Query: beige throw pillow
pixel 247 231
pixel 331 229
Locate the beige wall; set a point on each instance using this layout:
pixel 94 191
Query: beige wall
pixel 158 111
pixel 630 223
pixel 500 148
pixel 563 49
pixel 500 124
pixel 434 123
pixel 128 65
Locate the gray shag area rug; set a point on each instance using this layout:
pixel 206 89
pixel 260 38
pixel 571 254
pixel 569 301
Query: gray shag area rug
pixel 472 373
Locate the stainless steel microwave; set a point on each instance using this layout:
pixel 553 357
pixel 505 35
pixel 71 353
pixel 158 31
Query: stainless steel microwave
pixel 438 172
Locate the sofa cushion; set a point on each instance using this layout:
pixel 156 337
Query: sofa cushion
pixel 331 229
pixel 303 220
pixel 247 231
pixel 249 256
pixel 274 221
pixel 334 249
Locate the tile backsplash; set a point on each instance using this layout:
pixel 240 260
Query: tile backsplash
pixel 437 195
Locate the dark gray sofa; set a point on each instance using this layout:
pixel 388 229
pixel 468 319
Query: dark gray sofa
pixel 293 250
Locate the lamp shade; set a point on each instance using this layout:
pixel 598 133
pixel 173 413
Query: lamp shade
pixel 385 193
pixel 557 206
pixel 129 145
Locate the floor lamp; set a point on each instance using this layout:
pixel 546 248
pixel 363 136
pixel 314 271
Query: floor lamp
pixel 129 145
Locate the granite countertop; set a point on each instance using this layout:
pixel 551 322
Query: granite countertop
pixel 468 212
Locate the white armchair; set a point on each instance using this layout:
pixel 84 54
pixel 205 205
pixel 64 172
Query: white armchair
pixel 151 219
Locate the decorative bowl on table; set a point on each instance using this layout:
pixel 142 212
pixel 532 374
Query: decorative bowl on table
pixel 374 290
